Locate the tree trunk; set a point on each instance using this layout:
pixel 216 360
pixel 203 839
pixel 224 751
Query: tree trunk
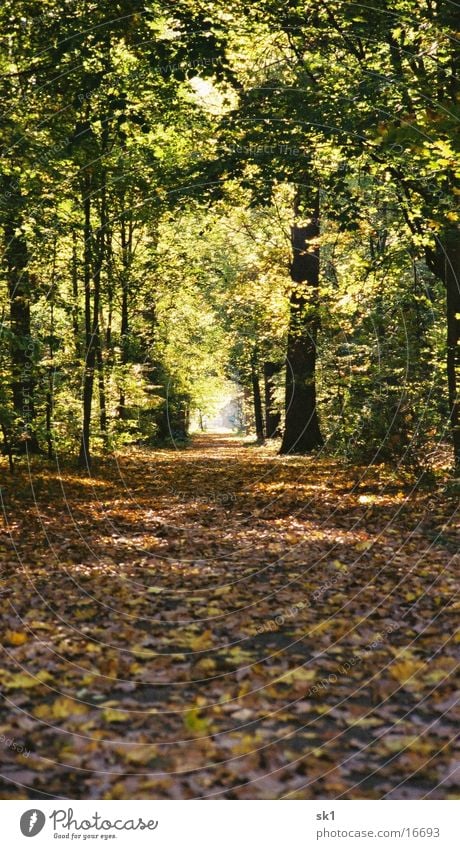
pixel 21 346
pixel 126 257
pixel 445 263
pixel 98 315
pixel 109 263
pixel 272 415
pixel 248 410
pixel 302 432
pixel 75 306
pixel 102 394
pixel 453 344
pixel 84 460
pixel 257 399
pixel 49 406
pixel 7 449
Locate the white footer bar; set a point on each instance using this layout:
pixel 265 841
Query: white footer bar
pixel 231 824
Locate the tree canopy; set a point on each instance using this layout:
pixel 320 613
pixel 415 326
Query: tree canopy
pixel 192 194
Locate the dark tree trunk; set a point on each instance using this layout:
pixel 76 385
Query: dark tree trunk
pixel 109 262
pixel 75 306
pixel 90 347
pixel 126 256
pixel 21 347
pixel 49 406
pixel 257 400
pixel 272 415
pixel 7 449
pixel 301 431
pixel 98 314
pixel 453 344
pixel 445 263
pixel 184 418
pixel 93 262
pixel 102 395
pixel 248 408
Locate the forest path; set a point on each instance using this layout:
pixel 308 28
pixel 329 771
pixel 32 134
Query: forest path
pixel 223 622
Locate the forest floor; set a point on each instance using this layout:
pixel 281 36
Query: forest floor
pixel 221 622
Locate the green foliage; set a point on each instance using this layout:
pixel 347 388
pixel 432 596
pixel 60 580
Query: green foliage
pixel 151 161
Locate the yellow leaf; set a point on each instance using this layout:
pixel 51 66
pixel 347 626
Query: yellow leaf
pixel 239 655
pixel 16 638
pixel 300 674
pixel 246 744
pixel 24 681
pixel 92 648
pixel 60 709
pixel 111 715
pixel 396 744
pixel 325 625
pixel 139 650
pixel 205 665
pixel 138 754
pixel 435 676
pixel 404 670
pixel 342 567
pixel 319 753
pixel 202 642
pixel 363 546
pixel 193 721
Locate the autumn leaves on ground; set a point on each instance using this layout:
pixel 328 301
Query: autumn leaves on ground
pixel 222 622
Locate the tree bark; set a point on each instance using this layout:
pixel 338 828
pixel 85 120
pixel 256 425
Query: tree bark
pixel 248 410
pixel 445 263
pixel 75 306
pixel 126 233
pixel 84 460
pixel 257 400
pixel 49 405
pixel 103 423
pixel 7 449
pixel 98 315
pixel 21 346
pixel 302 431
pixel 272 415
